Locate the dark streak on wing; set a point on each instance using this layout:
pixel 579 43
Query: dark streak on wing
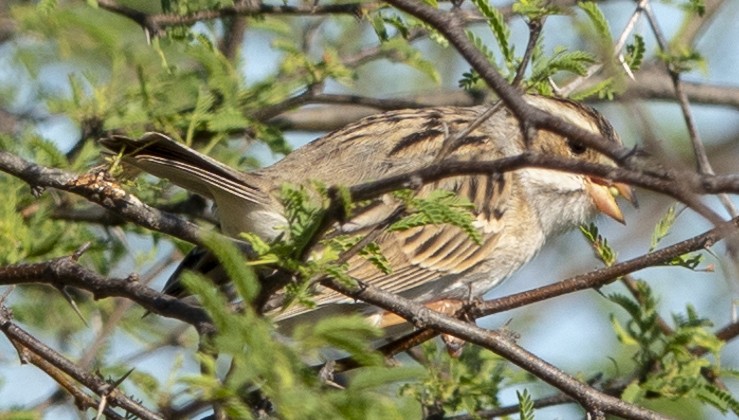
pixel 473 185
pixel 413 139
pixel 469 140
pixel 414 236
pixel 358 127
pixel 500 184
pixel 426 245
pixel 490 184
pixel 354 137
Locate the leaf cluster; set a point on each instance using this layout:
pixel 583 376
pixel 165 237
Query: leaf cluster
pixel 469 383
pixel 281 373
pixel 672 364
pixel 437 208
pixel 108 78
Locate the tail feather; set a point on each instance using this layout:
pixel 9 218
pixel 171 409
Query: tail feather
pixel 163 157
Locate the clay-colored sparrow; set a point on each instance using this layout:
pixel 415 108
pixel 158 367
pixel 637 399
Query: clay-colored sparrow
pixel 515 211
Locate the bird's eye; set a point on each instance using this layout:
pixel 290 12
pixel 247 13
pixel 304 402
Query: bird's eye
pixel 575 147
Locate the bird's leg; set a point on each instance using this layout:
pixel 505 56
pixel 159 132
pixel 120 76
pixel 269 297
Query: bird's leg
pixel 454 345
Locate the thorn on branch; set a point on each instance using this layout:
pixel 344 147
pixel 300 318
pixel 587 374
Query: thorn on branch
pixel 3 297
pixel 81 250
pixel 509 334
pixel 68 297
pixel 120 380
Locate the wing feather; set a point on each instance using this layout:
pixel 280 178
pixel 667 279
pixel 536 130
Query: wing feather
pixel 423 254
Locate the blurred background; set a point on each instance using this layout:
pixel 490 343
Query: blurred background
pixel 69 71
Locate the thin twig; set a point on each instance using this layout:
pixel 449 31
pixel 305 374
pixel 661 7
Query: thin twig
pixel 617 48
pixel 699 150
pixel 47 357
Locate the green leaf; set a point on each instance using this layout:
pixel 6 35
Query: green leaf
pixel 400 50
pixel 536 9
pixel 439 207
pixel 600 244
pixel 480 45
pixel 466 384
pixel 605 89
pixel 598 19
pixel 673 362
pixel 695 6
pixel 719 398
pixel 303 214
pixel 349 333
pixel 227 119
pixel 691 262
pixel 403 27
pixel 525 405
pixel 203 105
pixel 234 264
pixel 374 255
pixel 632 393
pixel 683 60
pixel 576 62
pixel 211 299
pixel 622 334
pixel 499 29
pixel 663 227
pixel 378 24
pixel 635 53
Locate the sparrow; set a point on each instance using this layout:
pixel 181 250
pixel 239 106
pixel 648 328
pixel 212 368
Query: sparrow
pixel 514 212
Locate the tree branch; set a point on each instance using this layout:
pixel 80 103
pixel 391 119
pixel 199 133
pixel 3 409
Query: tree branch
pixel 66 271
pixel 498 342
pixel 45 357
pixel 605 275
pixel 98 188
pixel 155 24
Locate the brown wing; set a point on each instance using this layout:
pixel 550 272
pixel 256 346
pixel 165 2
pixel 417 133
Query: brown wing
pixel 427 253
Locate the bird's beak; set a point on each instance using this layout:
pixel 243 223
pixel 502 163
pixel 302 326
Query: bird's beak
pixel 604 193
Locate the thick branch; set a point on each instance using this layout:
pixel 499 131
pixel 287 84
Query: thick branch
pixel 97 188
pixel 65 271
pixel 498 342
pixel 348 109
pixel 681 185
pixel 654 83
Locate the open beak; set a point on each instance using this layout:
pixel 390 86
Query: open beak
pixel 604 193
